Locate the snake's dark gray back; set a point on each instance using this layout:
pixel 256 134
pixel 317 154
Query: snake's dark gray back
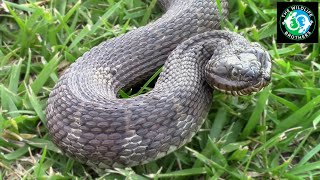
pixel 88 122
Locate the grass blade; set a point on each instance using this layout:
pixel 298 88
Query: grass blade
pixel 299 116
pixel 44 75
pixel 36 104
pixel 255 116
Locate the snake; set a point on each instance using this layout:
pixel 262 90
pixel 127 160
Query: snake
pixel 88 120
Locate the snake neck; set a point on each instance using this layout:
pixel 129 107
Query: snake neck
pixel 189 60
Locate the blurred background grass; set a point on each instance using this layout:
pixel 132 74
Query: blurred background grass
pixel 271 135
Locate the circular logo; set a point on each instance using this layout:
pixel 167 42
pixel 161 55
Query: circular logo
pixel 297 22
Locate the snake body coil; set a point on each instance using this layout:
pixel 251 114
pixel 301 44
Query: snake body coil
pixel 88 122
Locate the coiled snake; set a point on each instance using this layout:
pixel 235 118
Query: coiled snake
pixel 87 120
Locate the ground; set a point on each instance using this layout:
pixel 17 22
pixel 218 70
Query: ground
pixel 271 135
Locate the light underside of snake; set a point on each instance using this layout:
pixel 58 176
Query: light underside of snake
pixel 87 120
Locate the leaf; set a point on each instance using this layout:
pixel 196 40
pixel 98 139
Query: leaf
pixel 43 143
pixel 285 102
pixel 129 174
pixel 147 14
pixel 181 173
pixel 239 154
pixel 255 116
pixel 297 117
pixel 156 74
pixel 92 29
pixel 35 103
pixel 8 100
pixel 213 164
pixel 39 170
pixel 234 146
pixel 316 121
pixel 15 154
pixel 309 155
pixel 218 123
pixel 15 77
pixel 44 75
pixel 305 168
pixel 291 91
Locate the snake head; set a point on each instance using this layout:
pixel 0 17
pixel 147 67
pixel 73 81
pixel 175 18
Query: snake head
pixel 241 73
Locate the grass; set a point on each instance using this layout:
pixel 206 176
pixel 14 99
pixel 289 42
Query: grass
pixel 272 135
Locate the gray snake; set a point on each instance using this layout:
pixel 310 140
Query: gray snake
pixel 88 121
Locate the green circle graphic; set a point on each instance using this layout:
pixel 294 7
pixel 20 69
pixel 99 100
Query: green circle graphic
pixel 297 22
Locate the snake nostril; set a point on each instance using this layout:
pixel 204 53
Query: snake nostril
pixel 267 77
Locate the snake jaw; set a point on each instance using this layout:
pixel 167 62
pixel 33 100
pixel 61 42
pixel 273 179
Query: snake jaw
pixel 246 91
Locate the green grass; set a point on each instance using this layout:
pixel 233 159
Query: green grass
pixel 271 135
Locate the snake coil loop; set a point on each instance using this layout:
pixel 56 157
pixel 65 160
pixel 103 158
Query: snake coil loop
pixel 88 122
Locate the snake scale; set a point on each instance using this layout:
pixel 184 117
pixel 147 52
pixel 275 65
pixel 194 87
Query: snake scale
pixel 88 121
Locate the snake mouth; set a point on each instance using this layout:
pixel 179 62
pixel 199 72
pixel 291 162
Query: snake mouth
pixel 243 90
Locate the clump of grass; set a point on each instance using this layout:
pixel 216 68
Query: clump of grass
pixel 271 135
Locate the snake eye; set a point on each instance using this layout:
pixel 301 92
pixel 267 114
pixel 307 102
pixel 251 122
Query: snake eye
pixel 234 72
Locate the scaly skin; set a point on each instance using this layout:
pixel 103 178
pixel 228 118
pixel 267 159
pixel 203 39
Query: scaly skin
pixel 88 122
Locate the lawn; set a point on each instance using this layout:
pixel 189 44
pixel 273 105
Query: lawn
pixel 271 135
